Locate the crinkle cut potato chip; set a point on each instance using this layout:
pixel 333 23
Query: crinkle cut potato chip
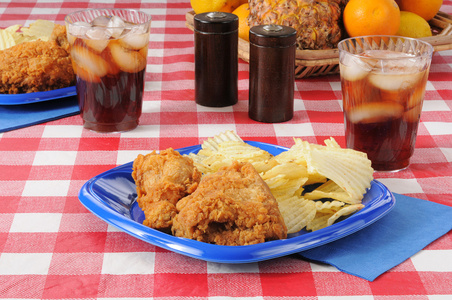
pixel 286 188
pixel 297 155
pixel 41 29
pixel 351 170
pixel 325 219
pixel 298 212
pixel 229 151
pixel 12 28
pixel 291 156
pixel 289 170
pixel 344 211
pixel 353 173
pixel 213 142
pixel 11 36
pixel 6 39
pixel 320 221
pixel 332 143
pixel 226 147
pixel 328 206
pixel 314 185
pixel 328 190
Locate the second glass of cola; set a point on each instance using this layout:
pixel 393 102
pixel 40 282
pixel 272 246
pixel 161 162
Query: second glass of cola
pixel 109 55
pixel 383 82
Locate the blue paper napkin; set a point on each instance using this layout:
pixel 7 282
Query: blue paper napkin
pixel 410 226
pixel 19 116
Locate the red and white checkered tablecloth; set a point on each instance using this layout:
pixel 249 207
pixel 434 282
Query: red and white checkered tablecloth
pixel 51 247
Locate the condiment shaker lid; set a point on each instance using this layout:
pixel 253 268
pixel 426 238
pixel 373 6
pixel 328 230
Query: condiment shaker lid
pixel 216 22
pixel 273 36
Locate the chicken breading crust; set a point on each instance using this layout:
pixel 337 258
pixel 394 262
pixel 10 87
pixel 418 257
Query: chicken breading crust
pixel 161 180
pixel 37 66
pixel 233 206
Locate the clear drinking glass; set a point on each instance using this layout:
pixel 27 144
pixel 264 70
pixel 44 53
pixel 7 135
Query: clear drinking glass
pixel 383 81
pixel 109 55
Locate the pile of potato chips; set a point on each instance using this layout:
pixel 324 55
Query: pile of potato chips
pixel 15 34
pixel 314 185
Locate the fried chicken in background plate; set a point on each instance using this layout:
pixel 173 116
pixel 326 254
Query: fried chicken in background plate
pixel 59 35
pixel 37 66
pixel 161 180
pixel 233 206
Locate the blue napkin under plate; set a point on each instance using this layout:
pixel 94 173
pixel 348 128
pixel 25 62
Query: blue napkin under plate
pixel 410 226
pixel 19 116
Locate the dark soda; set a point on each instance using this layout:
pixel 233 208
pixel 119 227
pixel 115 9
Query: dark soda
pixel 388 144
pixel 112 105
pixel 382 109
pixel 110 65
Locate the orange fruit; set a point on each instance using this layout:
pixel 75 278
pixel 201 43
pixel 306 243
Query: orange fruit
pixel 376 17
pixel 424 8
pixel 244 28
pixel 230 6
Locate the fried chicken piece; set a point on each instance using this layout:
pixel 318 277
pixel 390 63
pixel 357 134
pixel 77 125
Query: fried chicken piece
pixel 37 66
pixel 59 35
pixel 161 180
pixel 233 206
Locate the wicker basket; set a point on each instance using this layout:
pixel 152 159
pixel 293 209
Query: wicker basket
pixel 310 63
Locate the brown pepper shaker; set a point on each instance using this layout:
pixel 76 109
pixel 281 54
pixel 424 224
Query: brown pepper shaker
pixel 216 59
pixel 272 73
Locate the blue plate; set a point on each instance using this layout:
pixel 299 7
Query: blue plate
pixel 111 196
pixel 17 99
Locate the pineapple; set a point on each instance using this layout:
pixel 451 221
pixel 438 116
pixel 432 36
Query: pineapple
pixel 317 22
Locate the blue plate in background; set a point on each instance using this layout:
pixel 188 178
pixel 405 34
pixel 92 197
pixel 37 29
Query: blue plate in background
pixel 18 99
pixel 111 196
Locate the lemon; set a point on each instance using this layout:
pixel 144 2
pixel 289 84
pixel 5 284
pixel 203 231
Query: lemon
pixel 413 25
pixel 202 6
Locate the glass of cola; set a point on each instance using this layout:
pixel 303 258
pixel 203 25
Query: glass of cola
pixel 383 80
pixel 109 55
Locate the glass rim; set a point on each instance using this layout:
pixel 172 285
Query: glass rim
pixel 66 18
pixel 429 46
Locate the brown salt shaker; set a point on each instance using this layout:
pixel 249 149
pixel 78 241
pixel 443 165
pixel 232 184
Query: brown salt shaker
pixel 216 59
pixel 272 73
